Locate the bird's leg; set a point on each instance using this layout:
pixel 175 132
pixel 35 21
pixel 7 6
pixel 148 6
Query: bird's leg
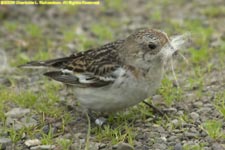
pixel 155 109
pixel 98 120
pixel 91 114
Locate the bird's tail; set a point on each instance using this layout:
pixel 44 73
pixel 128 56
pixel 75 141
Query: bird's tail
pixel 56 63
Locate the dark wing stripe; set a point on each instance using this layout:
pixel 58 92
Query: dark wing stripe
pixel 62 77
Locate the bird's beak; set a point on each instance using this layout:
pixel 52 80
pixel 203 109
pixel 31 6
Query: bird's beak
pixel 173 50
pixel 168 50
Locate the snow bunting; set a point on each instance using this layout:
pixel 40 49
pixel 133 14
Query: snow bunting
pixel 116 75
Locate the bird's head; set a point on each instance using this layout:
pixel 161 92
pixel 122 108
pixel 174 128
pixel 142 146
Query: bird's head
pixel 145 45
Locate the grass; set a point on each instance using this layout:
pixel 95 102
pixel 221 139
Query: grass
pixel 34 100
pixel 21 58
pixel 120 126
pixel 121 132
pixel 69 35
pixel 82 42
pixel 117 5
pixel 10 26
pixel 219 103
pixel 194 147
pixel 199 56
pixel 213 128
pixel 196 81
pixel 34 31
pixel 64 143
pixel 39 103
pixel 14 135
pixel 34 44
pixel 85 43
pixel 47 139
pixel 221 55
pixel 214 12
pixel 156 15
pixel 170 93
pixel 87 144
pixel 102 32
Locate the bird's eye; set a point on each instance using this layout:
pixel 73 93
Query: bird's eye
pixel 152 46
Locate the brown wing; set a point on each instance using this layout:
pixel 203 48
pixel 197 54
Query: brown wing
pixel 97 61
pixel 93 67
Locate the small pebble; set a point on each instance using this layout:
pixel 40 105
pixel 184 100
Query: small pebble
pixel 33 142
pixel 102 145
pixel 4 140
pixel 28 121
pixel 208 148
pixel 170 110
pixel 217 146
pixel 172 138
pixel 178 146
pixel 180 113
pixel 46 129
pixel 100 121
pixel 123 146
pixel 190 134
pixel 198 104
pixel 5 143
pixel 43 147
pixel 194 116
pixel 159 146
pixel 204 110
pixel 175 122
pixel 14 123
pixel 5 81
pixel 157 99
pixel 17 112
pixel 97 146
pixel 164 138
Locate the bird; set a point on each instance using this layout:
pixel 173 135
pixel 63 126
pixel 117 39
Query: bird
pixel 116 75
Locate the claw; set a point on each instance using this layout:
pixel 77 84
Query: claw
pixel 155 109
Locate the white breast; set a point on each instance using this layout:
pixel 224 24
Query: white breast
pixel 125 92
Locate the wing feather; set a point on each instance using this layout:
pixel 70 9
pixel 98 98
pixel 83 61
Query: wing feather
pixel 95 67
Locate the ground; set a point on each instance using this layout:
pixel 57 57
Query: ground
pixel 34 107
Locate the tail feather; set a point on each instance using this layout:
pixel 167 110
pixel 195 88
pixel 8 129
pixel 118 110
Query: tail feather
pixel 56 63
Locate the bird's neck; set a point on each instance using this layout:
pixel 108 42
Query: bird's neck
pixel 154 68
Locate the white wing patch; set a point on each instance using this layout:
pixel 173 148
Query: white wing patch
pixel 119 72
pixel 106 78
pixel 83 78
pixel 90 78
pixel 66 71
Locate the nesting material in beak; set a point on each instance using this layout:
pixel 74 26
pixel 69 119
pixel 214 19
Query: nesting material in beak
pixel 175 44
pixel 180 41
